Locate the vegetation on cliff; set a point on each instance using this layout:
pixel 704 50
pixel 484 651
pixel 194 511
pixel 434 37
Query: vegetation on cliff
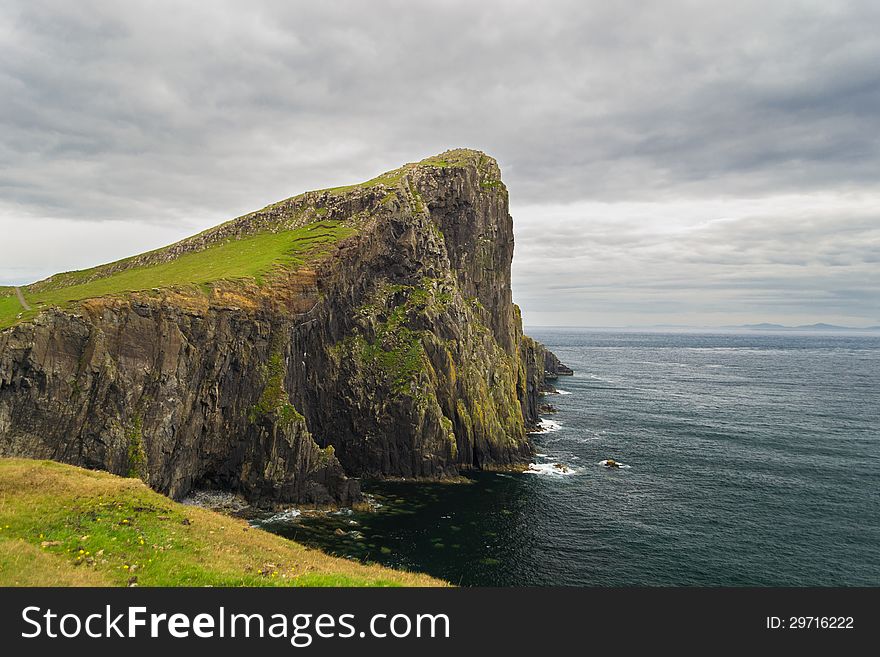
pixel 62 525
pixel 10 308
pixel 255 257
pixel 282 236
pixel 367 330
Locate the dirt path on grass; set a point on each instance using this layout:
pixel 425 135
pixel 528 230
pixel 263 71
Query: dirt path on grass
pixel 24 304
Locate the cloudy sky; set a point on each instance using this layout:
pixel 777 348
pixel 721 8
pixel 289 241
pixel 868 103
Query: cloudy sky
pixel 671 162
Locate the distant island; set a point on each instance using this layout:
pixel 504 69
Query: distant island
pixel 764 326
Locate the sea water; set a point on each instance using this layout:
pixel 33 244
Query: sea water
pixel 748 459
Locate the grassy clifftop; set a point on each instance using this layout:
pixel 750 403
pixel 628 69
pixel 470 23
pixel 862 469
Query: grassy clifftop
pixel 9 306
pixel 66 526
pixel 282 236
pixel 254 258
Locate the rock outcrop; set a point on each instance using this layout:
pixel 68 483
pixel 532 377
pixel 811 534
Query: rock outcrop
pixel 397 352
pixel 553 367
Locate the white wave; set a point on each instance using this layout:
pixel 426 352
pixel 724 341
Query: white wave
pixel 588 436
pixel 562 392
pixel 596 377
pixel 282 516
pixel 373 503
pixel 620 465
pixel 553 469
pixel 547 426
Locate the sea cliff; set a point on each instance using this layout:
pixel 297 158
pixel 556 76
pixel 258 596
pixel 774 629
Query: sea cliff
pixel 360 331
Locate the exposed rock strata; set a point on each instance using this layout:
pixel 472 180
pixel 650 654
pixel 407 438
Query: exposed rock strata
pixel 398 353
pixel 553 367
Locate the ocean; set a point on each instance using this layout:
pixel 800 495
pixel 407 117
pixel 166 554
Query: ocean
pixel 749 459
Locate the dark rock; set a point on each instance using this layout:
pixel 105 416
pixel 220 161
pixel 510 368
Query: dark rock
pixel 398 354
pixel 553 368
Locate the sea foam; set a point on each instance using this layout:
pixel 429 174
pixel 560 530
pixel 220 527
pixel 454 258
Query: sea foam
pixel 547 426
pixel 622 466
pixel 552 469
pixel 282 516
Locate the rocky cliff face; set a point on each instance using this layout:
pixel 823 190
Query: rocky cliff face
pixel 397 352
pixel 553 367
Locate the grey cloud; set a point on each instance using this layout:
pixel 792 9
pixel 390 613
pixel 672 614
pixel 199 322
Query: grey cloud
pixel 780 258
pixel 177 116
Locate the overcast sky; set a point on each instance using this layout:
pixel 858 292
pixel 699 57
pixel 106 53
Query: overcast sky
pixel 669 162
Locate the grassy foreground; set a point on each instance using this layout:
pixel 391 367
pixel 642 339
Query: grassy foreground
pixel 65 526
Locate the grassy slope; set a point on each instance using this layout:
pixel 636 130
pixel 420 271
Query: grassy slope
pixel 65 526
pixel 452 158
pixel 9 307
pixel 251 257
pixel 248 258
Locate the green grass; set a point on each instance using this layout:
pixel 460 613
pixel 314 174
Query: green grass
pixel 436 162
pixel 9 309
pixel 65 526
pixel 275 398
pixel 396 350
pixel 455 158
pixel 389 179
pixel 252 258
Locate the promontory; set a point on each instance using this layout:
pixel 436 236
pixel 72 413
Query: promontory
pixel 360 331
